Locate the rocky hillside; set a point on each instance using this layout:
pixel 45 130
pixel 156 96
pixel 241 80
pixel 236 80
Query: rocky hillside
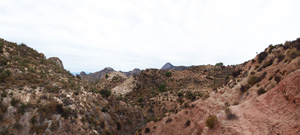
pixel 261 98
pixel 38 96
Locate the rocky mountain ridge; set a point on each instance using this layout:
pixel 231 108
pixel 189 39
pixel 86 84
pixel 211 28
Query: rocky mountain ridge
pixel 260 96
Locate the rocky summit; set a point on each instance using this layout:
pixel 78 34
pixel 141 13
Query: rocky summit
pixel 258 97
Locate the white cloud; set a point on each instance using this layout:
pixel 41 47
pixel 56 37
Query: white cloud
pixel 91 35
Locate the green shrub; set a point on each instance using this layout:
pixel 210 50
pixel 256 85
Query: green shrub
pixel 106 76
pixel 168 74
pixel 261 91
pixel 211 121
pixel 105 93
pixel 162 88
pixel 219 64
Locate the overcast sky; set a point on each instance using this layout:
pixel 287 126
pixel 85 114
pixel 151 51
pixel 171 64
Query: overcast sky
pixel 125 34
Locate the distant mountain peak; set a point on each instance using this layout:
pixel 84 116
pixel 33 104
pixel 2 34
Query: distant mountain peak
pixel 167 66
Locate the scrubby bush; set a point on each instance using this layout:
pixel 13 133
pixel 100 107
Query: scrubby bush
pixel 140 100
pixel 261 91
pixel 268 63
pixel 229 114
pixel 236 73
pixel 168 74
pixel 106 76
pixel 262 56
pixel 105 108
pixel 4 75
pixel 293 54
pixel 280 57
pixel 3 61
pixel 277 78
pixel 219 64
pixel 147 130
pixel 188 123
pixel 14 101
pixel 18 126
pixel 244 88
pixel 162 88
pixel 253 80
pixel 180 94
pixel 105 93
pixel 211 121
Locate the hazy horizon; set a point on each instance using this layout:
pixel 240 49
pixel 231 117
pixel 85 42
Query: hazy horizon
pixel 92 35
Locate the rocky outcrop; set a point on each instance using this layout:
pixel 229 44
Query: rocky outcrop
pixel 57 61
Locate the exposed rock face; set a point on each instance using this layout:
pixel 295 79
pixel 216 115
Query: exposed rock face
pixel 57 61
